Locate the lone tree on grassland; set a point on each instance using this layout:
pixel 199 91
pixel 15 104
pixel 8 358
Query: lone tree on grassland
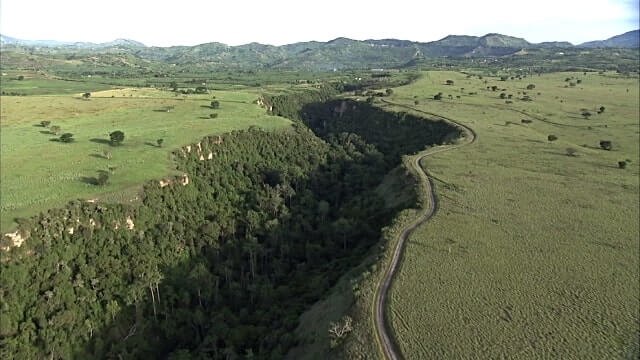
pixel 215 104
pixel 601 110
pixel 102 179
pixel 86 95
pixel 552 138
pixel 622 164
pixel 606 145
pixel 116 137
pixel 450 82
pixel 586 114
pixel 66 137
pixel 571 151
pixel 45 123
pixel 107 154
pixel 213 115
pixel 55 129
pixel 159 142
pixel 531 87
pixel 389 92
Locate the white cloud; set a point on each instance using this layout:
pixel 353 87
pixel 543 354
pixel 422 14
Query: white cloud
pixel 285 21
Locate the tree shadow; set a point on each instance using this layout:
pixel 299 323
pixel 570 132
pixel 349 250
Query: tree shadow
pixel 204 117
pixel 98 156
pixel 100 141
pixel 46 132
pixel 148 143
pixel 93 180
pixel 160 110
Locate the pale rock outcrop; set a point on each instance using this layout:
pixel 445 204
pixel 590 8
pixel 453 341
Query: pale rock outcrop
pixel 130 224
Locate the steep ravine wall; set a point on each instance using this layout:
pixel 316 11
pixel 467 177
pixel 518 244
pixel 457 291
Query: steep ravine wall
pixel 220 260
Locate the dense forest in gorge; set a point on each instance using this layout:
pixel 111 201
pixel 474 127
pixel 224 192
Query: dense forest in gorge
pixel 217 264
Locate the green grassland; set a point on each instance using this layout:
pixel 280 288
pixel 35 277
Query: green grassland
pixel 39 173
pixel 532 253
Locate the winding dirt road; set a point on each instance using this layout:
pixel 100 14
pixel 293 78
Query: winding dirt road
pixel 383 334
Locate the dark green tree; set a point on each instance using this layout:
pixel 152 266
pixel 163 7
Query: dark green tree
pixel 116 138
pixel 66 137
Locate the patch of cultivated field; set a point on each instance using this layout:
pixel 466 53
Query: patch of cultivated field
pixel 39 173
pixel 532 253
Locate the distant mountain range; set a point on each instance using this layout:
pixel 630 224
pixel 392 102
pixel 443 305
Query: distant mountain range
pixel 629 39
pixel 6 40
pixel 339 53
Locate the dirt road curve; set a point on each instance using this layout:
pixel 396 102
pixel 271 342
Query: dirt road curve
pixel 386 342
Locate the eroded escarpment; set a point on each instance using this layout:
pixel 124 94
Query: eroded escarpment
pixel 219 267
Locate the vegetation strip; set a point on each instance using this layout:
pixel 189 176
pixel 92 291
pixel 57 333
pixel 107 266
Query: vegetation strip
pixel 383 335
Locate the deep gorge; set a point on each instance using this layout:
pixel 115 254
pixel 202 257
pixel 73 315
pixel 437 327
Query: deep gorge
pixel 221 267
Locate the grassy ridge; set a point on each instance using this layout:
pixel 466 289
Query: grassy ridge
pixel 532 252
pixel 38 173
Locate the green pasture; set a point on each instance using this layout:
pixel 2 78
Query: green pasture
pixel 40 173
pixel 532 253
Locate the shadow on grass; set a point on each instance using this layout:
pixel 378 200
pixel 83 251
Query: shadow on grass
pixel 100 141
pixel 93 180
pixel 99 156
pixel 46 132
pixel 160 110
pixel 151 144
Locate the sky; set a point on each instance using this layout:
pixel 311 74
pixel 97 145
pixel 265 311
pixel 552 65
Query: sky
pixel 277 22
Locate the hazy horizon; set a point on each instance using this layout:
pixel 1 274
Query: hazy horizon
pixel 164 23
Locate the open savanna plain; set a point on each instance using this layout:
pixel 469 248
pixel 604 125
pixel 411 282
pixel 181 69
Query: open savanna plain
pixel 532 253
pixel 39 172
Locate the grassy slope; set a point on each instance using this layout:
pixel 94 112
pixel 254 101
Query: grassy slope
pixel 38 173
pixel 532 252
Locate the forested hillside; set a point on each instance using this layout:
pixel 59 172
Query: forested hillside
pixel 220 263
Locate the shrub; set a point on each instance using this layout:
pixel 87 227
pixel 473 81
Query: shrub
pixel 45 123
pixel 66 137
pixel 55 129
pixel 586 114
pixel 526 121
pixel 213 115
pixel 552 138
pixel 503 95
pixel 416 102
pixel 450 82
pixel 437 96
pixel 622 164
pixel 20 77
pixel 571 151
pixel 606 145
pixel 531 87
pixel 389 92
pixel 102 179
pixel 116 137
pixel 601 110
pixel 159 142
pixel 215 104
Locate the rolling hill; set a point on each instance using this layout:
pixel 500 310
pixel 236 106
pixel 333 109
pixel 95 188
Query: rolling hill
pixel 629 39
pixel 339 53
